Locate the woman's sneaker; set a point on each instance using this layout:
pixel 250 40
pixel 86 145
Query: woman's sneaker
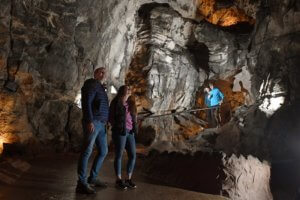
pixel 120 184
pixel 130 184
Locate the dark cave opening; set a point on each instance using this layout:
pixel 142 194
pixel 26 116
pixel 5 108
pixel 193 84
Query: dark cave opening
pixel 200 55
pixel 239 28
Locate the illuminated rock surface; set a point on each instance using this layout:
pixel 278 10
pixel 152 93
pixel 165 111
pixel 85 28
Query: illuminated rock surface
pixel 167 50
pixel 236 177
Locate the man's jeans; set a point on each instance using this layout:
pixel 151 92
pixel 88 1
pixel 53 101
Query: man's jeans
pixel 99 138
pixel 122 142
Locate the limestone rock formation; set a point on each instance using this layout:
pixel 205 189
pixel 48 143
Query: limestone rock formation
pixel 173 59
pixel 50 48
pixel 167 50
pixel 236 177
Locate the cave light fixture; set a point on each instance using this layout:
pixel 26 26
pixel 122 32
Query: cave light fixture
pixel 2 141
pixel 272 101
pixel 270 105
pixel 1 145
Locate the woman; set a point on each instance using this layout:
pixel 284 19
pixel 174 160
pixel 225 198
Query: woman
pixel 123 117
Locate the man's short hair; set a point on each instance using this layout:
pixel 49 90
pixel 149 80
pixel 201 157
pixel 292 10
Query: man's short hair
pixel 99 69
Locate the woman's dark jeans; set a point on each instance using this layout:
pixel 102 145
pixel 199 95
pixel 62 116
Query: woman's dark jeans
pixel 122 142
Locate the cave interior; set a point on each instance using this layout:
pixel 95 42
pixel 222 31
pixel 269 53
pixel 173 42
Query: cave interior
pixel 168 52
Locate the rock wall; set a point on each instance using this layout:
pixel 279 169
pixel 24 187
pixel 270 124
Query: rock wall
pixel 45 60
pixel 238 177
pixel 272 61
pixel 167 50
pixel 173 59
pixel 49 48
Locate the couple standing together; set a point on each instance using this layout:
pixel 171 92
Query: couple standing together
pixel 122 116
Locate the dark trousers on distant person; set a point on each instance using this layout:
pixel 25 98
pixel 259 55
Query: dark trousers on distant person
pixel 213 116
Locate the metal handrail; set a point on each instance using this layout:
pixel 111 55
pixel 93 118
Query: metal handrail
pixel 180 112
pixel 149 114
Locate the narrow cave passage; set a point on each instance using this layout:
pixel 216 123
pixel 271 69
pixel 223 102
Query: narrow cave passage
pixel 200 55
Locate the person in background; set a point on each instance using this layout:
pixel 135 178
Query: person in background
pixel 207 104
pixel 123 119
pixel 95 108
pixel 207 97
pixel 216 99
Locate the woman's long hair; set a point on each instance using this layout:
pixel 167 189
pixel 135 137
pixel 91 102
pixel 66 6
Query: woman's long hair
pixel 132 105
pixel 131 99
pixel 121 94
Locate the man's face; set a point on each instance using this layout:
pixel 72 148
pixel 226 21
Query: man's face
pixel 100 74
pixel 211 86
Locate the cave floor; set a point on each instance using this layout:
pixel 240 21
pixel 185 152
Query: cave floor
pixel 53 177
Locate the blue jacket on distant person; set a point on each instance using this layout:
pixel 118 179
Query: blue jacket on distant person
pixel 94 101
pixel 216 96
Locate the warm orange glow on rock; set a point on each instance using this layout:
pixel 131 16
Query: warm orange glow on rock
pixel 206 7
pixel 231 16
pixel 14 126
pixel 136 77
pixel 224 16
pixel 6 138
pixel 191 131
pixel 234 99
pixel 6 124
pixel 1 145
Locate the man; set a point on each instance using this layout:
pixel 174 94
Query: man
pixel 95 108
pixel 216 99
